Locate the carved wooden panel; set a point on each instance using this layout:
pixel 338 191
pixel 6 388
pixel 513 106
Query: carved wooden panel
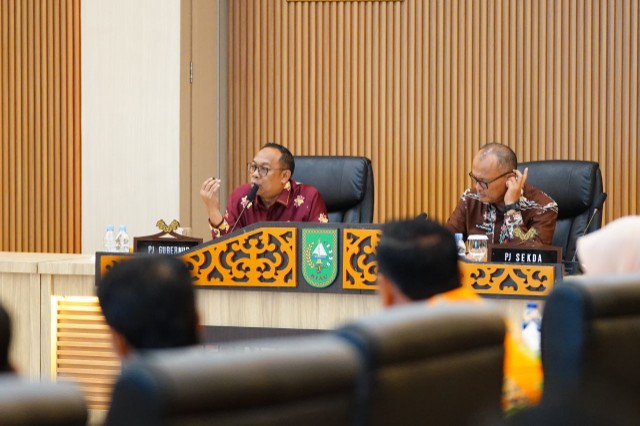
pixel 508 279
pixel 359 267
pixel 265 257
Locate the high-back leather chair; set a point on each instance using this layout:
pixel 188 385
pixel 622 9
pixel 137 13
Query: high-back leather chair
pixel 577 187
pixel 591 348
pixel 440 365
pixel 44 403
pixel 346 184
pixel 299 381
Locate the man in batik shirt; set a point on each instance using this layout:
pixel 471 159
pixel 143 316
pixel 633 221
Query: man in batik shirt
pixel 501 205
pixel 279 198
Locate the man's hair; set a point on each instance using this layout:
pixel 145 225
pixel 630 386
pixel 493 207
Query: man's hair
pixel 151 302
pixel 420 257
pixel 5 340
pixel 507 159
pixel 286 158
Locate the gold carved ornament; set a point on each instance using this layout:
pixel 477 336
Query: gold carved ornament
pixel 508 279
pixel 265 257
pixel 359 268
pixel 162 225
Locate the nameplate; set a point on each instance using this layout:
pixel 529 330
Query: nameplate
pixel 167 241
pixel 505 253
pixel 164 243
pixel 168 246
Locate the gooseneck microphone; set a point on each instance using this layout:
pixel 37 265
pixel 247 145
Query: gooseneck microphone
pixel 600 199
pixel 250 197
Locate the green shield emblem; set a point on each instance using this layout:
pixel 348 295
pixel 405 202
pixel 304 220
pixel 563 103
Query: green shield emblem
pixel 319 256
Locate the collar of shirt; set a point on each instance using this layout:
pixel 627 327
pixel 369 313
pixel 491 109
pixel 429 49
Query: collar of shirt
pixel 283 198
pixel 474 194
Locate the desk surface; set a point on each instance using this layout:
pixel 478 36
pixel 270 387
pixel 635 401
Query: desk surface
pixel 29 263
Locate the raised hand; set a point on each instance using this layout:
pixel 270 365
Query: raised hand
pixel 515 184
pixel 209 196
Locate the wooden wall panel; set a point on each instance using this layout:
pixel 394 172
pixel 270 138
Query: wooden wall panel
pixel 82 351
pixel 418 86
pixel 40 125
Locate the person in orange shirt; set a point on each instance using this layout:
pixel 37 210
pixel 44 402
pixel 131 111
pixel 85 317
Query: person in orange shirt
pixel 418 261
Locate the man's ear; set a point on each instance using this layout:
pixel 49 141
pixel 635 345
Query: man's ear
pixel 120 344
pixel 386 289
pixel 286 175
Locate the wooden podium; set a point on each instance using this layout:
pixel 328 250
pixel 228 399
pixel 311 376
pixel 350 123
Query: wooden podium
pixel 333 258
pixel 271 280
pixel 306 257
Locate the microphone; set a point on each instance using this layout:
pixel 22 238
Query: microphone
pixel 599 202
pixel 250 197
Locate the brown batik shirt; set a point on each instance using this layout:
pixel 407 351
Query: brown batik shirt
pixel 533 225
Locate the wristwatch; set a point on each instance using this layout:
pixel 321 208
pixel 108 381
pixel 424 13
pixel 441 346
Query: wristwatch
pixel 211 225
pixel 512 206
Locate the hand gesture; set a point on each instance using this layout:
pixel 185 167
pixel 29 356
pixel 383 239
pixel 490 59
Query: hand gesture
pixel 209 195
pixel 515 184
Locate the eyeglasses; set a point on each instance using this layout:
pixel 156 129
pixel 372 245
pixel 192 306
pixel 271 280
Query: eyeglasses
pixel 262 170
pixel 485 184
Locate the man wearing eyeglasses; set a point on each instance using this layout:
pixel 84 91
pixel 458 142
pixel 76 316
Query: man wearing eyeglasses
pixel 501 204
pixel 279 198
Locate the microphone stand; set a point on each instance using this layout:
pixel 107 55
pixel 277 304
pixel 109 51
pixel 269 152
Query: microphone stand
pixel 572 267
pixel 251 196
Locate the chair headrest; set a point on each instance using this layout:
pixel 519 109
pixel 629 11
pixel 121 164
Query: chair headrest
pixel 590 331
pixel 178 384
pixel 572 184
pixel 414 331
pixel 615 295
pixel 29 403
pixel 342 181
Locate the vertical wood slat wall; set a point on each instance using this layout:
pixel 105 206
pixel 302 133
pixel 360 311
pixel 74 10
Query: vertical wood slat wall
pixel 418 86
pixel 40 125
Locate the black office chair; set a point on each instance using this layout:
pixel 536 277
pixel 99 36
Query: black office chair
pixel 440 365
pixel 591 347
pixel 346 184
pixel 27 403
pixel 577 188
pixel 298 381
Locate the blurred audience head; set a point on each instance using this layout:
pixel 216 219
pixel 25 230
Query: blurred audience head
pixel 615 248
pixel 149 303
pixel 5 341
pixel 417 259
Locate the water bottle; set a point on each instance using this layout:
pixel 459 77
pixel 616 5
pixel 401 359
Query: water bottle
pixel 462 248
pixel 109 240
pixel 531 322
pixel 122 240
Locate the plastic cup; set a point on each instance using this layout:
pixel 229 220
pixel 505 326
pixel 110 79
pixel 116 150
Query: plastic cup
pixel 478 247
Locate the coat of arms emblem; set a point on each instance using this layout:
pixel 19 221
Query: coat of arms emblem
pixel 319 252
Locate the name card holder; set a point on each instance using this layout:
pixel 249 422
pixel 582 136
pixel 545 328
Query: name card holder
pixel 165 242
pixel 512 253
